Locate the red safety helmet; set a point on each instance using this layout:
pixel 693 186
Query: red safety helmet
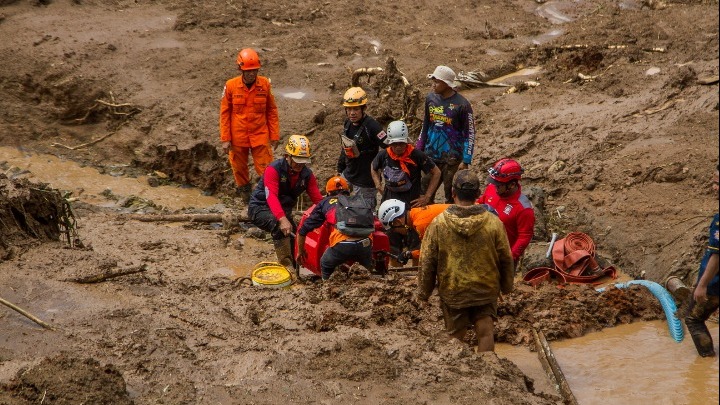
pixel 506 170
pixel 337 184
pixel 248 59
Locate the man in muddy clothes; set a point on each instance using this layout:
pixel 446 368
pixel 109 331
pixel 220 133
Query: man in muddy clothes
pixel 341 247
pixel 361 139
pixel 466 251
pixel 448 131
pixel 248 121
pixel 705 298
pixel 276 194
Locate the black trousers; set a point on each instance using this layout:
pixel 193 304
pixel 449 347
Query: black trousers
pixel 357 250
pixel 264 219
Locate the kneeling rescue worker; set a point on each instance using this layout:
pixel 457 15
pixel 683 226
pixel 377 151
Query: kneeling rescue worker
pixel 412 224
pixel 342 247
pixel 276 194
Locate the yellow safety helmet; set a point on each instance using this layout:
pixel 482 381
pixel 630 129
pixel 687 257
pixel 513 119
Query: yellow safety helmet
pixel 298 147
pixel 354 97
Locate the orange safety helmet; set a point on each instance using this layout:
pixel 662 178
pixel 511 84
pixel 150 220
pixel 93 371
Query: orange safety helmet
pixel 248 59
pixel 505 170
pixel 354 97
pixel 337 184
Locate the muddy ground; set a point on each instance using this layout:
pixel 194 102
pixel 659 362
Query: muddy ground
pixel 618 140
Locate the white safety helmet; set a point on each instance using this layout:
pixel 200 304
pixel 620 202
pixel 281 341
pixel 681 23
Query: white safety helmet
pixel 390 210
pixel 397 131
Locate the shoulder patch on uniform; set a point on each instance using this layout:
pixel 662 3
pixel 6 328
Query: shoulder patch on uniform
pixel 381 135
pixel 525 201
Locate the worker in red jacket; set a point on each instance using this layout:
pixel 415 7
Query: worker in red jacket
pixel 513 207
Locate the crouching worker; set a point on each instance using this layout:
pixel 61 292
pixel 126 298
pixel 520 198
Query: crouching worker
pixel 466 251
pixel 352 221
pixel 276 194
pixel 411 224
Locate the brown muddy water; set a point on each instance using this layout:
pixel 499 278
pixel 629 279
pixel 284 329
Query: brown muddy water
pixel 628 364
pixel 87 184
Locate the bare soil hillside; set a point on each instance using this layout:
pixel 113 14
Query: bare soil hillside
pixel 614 117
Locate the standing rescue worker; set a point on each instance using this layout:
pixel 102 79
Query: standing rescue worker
pixel 276 194
pixel 513 207
pixel 361 140
pixel 448 130
pixel 396 172
pixel 466 253
pixel 706 296
pixel 248 121
pixel 341 247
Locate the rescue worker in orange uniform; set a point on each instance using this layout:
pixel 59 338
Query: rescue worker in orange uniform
pixel 248 121
pixel 411 224
pixel 341 247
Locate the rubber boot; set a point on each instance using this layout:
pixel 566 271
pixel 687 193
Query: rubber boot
pixel 243 193
pixel 283 250
pixel 695 323
pixel 703 343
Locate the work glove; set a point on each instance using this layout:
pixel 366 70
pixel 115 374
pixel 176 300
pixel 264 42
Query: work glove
pixel 404 257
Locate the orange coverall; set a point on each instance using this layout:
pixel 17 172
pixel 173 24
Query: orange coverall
pixel 421 217
pixel 249 120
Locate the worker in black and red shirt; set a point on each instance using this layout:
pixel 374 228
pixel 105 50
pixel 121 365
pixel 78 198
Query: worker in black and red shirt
pixel 276 194
pixel 341 247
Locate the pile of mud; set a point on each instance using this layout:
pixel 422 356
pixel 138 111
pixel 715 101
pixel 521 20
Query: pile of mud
pixel 65 379
pixel 28 212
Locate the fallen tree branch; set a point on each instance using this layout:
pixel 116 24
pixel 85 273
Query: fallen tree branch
pixel 552 368
pixel 358 73
pixel 84 145
pixel 99 278
pixel 26 314
pixel 203 218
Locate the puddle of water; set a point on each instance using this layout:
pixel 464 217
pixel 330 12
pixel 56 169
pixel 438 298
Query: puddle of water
pixel 652 71
pixel 522 72
pixel 630 5
pixel 638 363
pixel 548 36
pixel 528 363
pixel 87 183
pixel 292 93
pixel 377 46
pixel 553 11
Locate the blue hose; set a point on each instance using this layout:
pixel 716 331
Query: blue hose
pixel 667 302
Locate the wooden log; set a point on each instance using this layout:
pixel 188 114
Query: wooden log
pixel 26 314
pixel 547 358
pixel 99 278
pixel 204 218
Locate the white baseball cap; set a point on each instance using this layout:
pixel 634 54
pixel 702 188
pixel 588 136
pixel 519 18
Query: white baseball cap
pixel 445 74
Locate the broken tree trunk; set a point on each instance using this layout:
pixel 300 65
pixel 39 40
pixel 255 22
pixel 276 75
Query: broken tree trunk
pixel 203 218
pixel 552 368
pixel 99 278
pixel 26 314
